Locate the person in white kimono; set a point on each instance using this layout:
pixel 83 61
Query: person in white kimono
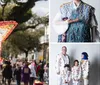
pixel 76 73
pixel 85 68
pixel 61 61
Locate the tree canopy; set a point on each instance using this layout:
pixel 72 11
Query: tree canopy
pixel 22 42
pixel 21 13
pixel 23 39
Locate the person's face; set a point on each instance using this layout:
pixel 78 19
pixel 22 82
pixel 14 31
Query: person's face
pixel 76 63
pixel 64 50
pixel 82 56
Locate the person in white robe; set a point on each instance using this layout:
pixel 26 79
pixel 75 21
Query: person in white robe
pixel 61 60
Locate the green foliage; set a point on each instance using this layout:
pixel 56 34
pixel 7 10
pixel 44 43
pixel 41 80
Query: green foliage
pixel 22 42
pixel 19 12
pixel 45 20
pixel 23 39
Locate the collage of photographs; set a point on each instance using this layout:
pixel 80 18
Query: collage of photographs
pixel 49 42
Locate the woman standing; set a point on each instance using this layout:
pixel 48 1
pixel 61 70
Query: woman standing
pixel 81 20
pixel 26 74
pixel 85 68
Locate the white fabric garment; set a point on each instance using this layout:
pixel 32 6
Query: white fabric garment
pixel 85 69
pixel 59 25
pixel 94 26
pixel 33 72
pixel 76 82
pixel 60 63
pixel 76 74
pixel 61 60
pixel 59 80
pixel 86 82
pixel 67 77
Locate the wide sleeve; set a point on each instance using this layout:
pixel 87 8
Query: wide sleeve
pixel 57 64
pixel 68 60
pixel 79 75
pixel 57 18
pixel 72 73
pixel 63 12
pixel 59 25
pixel 87 69
pixel 69 76
pixel 93 21
pixel 93 25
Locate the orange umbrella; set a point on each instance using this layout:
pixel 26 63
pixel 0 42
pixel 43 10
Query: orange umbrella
pixel 6 27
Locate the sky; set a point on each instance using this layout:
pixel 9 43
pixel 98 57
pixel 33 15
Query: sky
pixel 41 8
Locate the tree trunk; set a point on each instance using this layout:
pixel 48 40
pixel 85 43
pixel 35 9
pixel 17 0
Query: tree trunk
pixel 3 7
pixel 26 54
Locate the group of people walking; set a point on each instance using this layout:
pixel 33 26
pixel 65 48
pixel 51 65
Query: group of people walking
pixel 74 75
pixel 27 72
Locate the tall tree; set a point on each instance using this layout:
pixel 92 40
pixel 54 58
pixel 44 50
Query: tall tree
pixel 23 42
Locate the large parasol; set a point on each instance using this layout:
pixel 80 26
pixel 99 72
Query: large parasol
pixel 6 28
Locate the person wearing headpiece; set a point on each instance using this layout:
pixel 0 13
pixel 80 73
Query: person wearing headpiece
pixel 85 68
pixel 80 19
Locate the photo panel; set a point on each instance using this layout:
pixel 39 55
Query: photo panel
pixel 67 19
pixel 74 52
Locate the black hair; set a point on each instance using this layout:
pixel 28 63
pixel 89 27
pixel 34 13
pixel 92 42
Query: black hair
pixel 85 55
pixel 67 65
pixel 64 47
pixel 76 61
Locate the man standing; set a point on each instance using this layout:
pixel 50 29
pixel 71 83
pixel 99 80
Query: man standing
pixel 61 61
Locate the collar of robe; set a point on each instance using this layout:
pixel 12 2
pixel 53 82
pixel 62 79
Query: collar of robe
pixel 76 6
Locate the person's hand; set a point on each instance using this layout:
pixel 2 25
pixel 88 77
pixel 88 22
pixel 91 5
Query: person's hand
pixel 66 81
pixel 71 21
pixel 68 21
